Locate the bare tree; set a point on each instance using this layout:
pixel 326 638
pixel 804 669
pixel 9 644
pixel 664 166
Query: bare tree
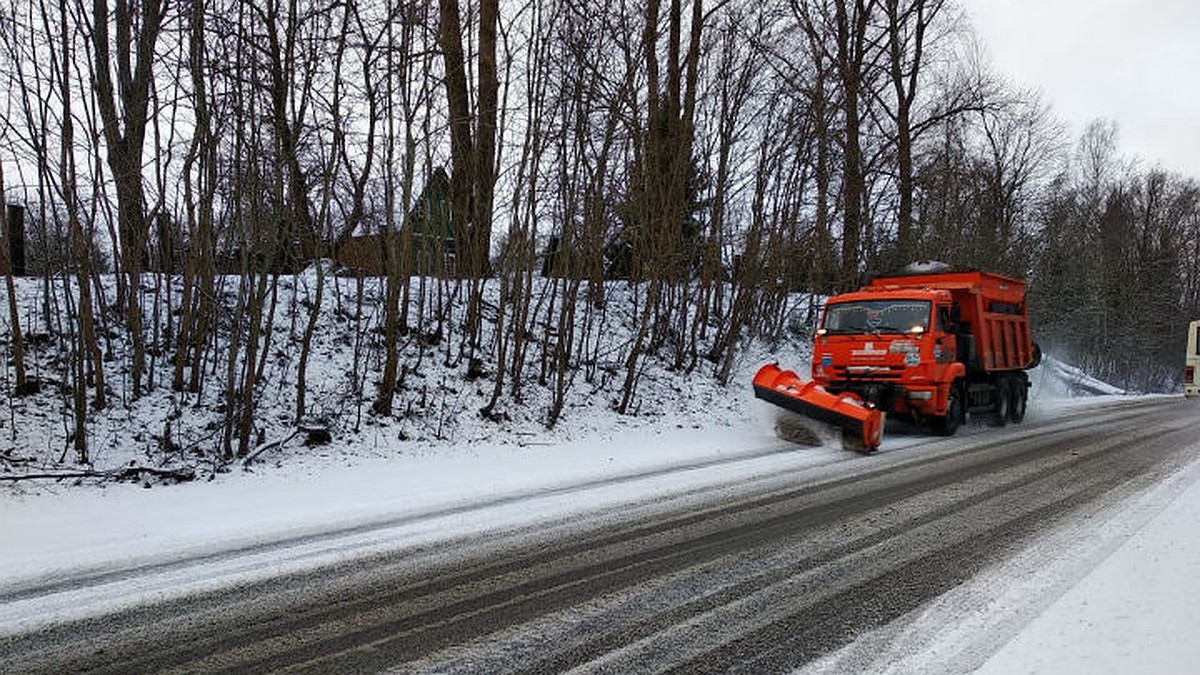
pixel 200 187
pixel 842 30
pixel 519 256
pixel 1020 142
pixel 402 56
pixel 472 151
pixel 666 161
pixel 87 355
pixel 125 114
pixel 908 22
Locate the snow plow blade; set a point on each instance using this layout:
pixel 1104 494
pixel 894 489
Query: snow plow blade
pixel 861 425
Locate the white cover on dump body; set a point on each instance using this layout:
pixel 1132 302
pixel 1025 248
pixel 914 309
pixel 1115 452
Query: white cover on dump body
pixel 926 267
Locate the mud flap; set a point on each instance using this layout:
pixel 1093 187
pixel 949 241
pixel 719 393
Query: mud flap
pixel 861 424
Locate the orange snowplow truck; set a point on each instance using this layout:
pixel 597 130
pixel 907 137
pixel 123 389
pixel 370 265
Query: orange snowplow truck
pixel 931 345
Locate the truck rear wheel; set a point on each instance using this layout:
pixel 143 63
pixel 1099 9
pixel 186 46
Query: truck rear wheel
pixel 1003 407
pixel 1020 401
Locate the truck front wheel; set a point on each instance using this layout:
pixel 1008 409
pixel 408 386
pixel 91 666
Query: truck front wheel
pixel 947 425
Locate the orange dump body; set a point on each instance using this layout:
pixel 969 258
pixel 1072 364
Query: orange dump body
pixel 991 310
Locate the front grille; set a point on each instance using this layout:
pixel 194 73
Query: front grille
pixel 880 393
pixel 881 373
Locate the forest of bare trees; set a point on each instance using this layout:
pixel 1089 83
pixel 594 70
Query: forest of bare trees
pixel 189 170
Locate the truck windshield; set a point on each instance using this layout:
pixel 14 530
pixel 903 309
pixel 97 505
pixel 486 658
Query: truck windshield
pixel 877 316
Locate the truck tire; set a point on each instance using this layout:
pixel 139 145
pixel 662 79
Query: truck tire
pixel 1003 403
pixel 947 425
pixel 1020 401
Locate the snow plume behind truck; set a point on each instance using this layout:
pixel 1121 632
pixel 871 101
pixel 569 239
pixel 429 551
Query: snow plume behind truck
pixel 929 345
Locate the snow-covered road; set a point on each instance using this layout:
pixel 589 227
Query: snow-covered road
pixel 1116 591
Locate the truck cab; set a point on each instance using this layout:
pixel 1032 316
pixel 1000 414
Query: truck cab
pixel 892 348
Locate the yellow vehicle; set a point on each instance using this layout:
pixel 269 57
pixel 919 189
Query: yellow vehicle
pixel 1191 377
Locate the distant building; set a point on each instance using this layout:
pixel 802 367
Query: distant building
pixel 426 233
pixel 13 235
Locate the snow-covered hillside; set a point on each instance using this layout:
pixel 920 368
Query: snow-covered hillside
pixel 438 401
pixel 1055 379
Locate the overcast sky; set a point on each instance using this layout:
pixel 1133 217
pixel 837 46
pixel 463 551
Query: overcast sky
pixel 1136 62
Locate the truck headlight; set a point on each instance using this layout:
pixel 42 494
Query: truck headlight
pixel 920 395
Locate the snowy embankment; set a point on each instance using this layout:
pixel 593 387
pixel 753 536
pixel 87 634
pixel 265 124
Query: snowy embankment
pixel 438 399
pixel 436 468
pixel 1110 592
pixel 1135 609
pixel 1056 379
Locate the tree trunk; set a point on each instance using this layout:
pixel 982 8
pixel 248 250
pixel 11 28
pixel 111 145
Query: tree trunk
pixel 851 38
pixel 461 144
pixel 124 128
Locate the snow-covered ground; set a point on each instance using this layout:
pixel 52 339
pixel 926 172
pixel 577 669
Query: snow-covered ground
pixel 1135 611
pixel 1126 608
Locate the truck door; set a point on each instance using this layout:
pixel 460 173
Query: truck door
pixel 946 349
